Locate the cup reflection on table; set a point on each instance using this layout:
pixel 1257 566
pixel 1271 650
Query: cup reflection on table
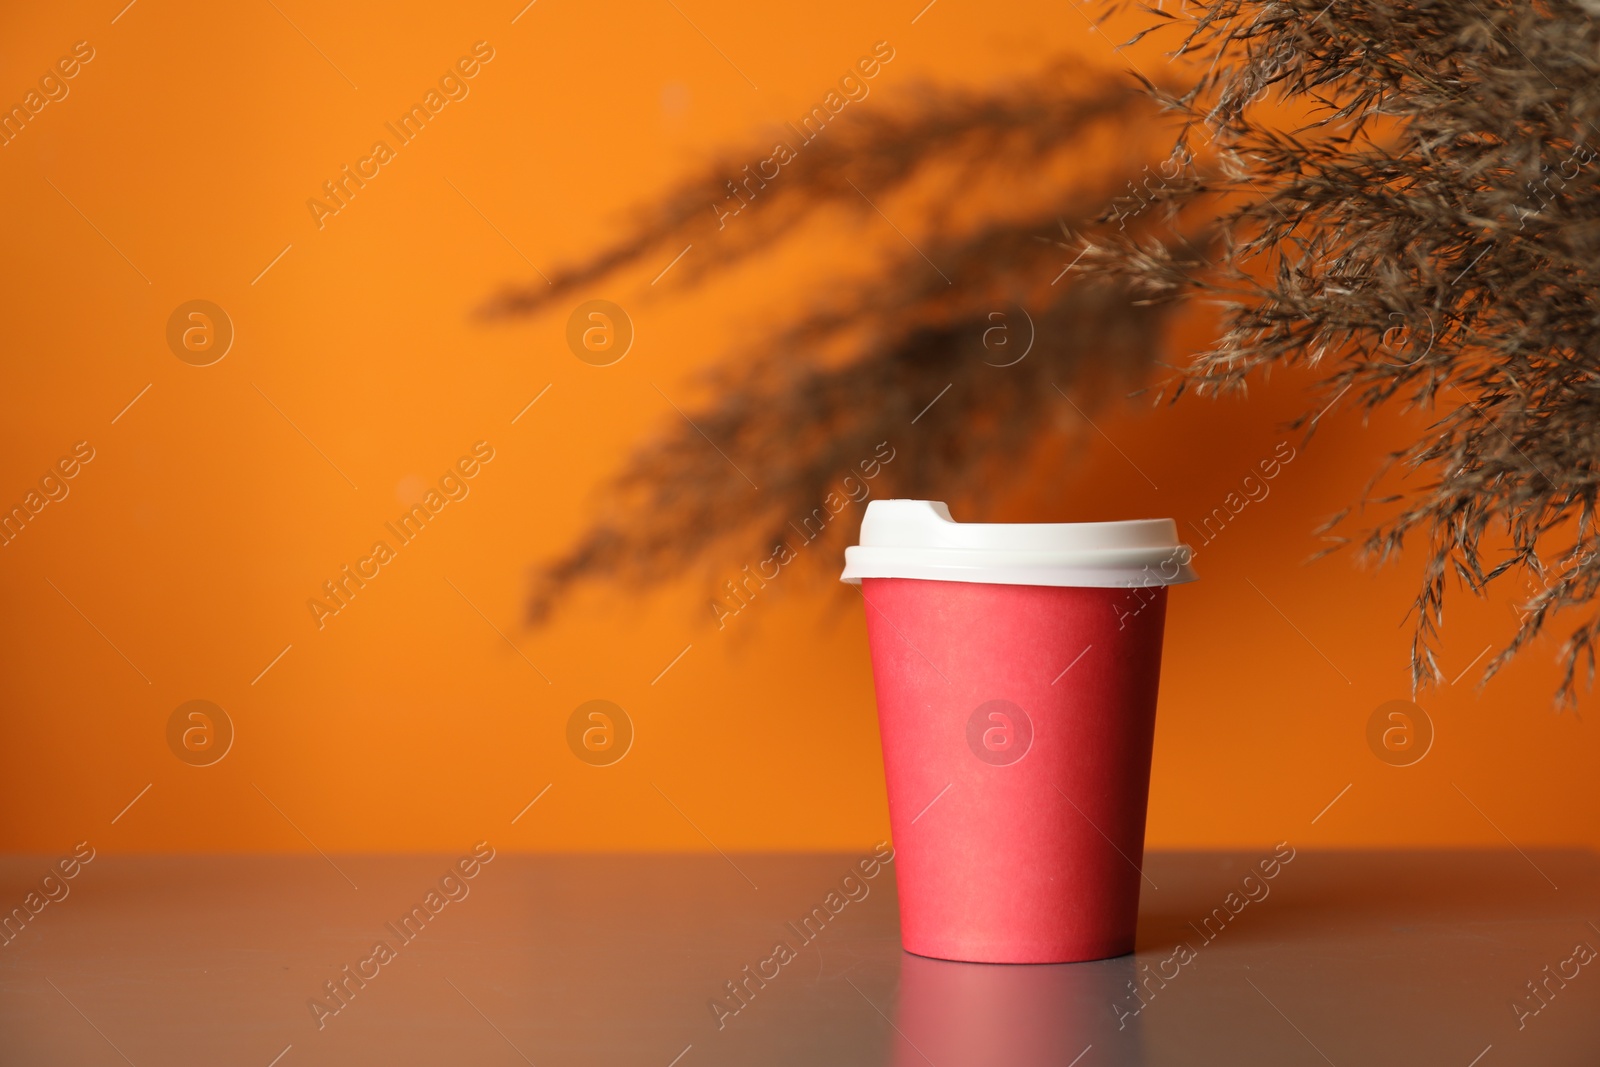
pixel 1009 1015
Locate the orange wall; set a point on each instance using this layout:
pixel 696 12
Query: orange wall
pixel 180 564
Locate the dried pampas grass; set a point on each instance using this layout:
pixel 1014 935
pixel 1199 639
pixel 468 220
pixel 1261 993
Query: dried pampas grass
pixel 1399 194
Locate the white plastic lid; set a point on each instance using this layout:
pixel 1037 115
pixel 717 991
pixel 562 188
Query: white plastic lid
pixel 919 539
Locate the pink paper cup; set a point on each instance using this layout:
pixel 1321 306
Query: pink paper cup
pixel 1016 669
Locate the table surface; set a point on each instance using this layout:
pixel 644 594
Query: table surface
pixel 1346 958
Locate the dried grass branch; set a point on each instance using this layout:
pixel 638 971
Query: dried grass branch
pixel 1409 203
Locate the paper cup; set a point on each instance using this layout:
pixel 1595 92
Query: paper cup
pixel 1016 669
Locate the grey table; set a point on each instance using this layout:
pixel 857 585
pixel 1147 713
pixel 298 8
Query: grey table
pixel 1349 958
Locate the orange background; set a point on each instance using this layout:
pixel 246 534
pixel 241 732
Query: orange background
pixel 183 558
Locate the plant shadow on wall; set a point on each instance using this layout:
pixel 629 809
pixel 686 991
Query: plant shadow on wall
pixel 1401 196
